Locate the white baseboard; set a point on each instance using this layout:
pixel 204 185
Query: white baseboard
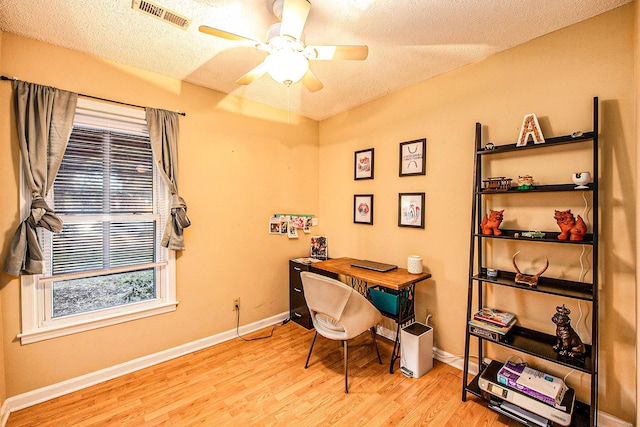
pixel 43 394
pixel 607 420
pixel 4 414
pixel 34 397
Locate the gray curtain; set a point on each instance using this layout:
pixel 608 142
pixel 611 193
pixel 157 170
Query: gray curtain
pixel 163 132
pixel 44 118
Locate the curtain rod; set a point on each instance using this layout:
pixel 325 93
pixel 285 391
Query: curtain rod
pixel 98 98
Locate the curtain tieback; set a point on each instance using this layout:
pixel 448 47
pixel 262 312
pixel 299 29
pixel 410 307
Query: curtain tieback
pixel 25 256
pixel 43 216
pixel 179 211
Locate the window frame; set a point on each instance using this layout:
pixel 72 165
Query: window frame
pixel 38 323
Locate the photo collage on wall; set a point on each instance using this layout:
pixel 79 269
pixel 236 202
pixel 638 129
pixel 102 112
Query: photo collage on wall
pixel 289 224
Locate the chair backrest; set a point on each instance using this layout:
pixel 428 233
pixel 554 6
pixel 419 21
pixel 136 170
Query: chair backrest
pixel 325 295
pixel 352 312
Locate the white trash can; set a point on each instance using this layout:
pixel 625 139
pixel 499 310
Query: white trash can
pixel 416 350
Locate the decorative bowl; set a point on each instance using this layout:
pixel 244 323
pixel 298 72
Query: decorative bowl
pixel 581 179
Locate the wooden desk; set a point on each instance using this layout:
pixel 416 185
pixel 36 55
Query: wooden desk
pixel 362 279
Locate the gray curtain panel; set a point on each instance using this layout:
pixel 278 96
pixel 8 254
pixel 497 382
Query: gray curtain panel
pixel 163 132
pixel 44 118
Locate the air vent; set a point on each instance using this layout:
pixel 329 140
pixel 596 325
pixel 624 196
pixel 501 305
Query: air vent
pixel 161 13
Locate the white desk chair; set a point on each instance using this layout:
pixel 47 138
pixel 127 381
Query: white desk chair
pixel 338 312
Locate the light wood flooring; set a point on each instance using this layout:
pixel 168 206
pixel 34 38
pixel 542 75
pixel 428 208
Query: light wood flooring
pixel 264 383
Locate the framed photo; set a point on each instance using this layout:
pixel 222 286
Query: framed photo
pixel 411 210
pixel 363 164
pixel 319 247
pixel 413 157
pixel 363 209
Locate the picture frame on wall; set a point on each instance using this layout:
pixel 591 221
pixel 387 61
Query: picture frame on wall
pixel 363 164
pixel 413 159
pixel 411 210
pixel 363 209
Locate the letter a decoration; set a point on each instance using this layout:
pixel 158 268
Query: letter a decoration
pixel 530 128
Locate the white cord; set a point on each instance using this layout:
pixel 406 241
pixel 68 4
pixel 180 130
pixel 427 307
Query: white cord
pixel 585 217
pixel 518 360
pixel 568 373
pixel 579 318
pixel 583 270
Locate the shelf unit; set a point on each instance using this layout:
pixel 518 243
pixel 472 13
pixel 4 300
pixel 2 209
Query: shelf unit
pixel 522 339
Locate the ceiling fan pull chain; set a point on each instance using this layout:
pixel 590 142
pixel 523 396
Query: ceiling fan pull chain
pixel 288 104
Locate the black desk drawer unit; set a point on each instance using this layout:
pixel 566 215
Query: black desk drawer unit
pixel 298 305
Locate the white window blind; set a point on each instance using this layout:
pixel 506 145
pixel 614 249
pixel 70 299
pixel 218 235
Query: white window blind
pixel 104 174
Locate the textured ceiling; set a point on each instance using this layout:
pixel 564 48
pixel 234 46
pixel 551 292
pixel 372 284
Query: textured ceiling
pixel 409 40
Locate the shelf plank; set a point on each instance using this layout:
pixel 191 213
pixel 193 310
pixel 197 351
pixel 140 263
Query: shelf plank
pixel 549 188
pixel 557 140
pixel 546 285
pixel 550 237
pixel 540 345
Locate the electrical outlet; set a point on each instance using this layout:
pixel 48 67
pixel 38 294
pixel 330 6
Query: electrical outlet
pixel 431 317
pixel 236 303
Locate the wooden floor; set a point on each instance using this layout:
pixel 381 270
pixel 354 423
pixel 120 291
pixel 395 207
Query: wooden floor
pixel 264 383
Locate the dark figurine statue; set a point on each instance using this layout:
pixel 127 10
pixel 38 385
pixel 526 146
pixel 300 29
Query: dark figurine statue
pixel 568 342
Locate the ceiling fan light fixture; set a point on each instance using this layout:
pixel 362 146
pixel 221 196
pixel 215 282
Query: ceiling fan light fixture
pixel 286 66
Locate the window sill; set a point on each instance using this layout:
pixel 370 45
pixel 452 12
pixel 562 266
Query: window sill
pixel 49 332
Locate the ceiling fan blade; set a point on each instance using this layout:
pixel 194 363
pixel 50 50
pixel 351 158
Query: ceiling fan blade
pixel 311 82
pixel 252 75
pixel 356 53
pixel 225 34
pixel 294 16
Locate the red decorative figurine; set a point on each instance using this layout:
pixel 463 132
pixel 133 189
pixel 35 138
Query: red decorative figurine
pixel 570 228
pixel 491 223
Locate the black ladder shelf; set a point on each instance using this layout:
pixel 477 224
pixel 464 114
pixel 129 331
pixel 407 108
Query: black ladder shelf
pixel 521 339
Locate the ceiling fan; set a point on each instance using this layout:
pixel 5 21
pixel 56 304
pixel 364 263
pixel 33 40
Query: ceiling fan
pixel 288 57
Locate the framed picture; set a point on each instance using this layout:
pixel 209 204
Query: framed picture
pixel 411 210
pixel 363 209
pixel 412 157
pixel 363 164
pixel 319 247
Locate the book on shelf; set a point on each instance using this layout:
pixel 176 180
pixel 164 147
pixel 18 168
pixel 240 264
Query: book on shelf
pixel 492 327
pixel 495 316
pixel 490 331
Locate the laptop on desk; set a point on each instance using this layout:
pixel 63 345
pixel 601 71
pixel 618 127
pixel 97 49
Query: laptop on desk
pixel 373 265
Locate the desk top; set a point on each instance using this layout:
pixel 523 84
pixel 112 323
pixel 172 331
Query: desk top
pixel 397 279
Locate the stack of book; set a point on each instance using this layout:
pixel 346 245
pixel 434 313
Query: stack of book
pixel 492 324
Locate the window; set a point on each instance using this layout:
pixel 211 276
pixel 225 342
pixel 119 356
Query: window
pixel 107 265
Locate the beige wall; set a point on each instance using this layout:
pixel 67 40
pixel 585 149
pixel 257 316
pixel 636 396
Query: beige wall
pixel 555 76
pixel 239 163
pixel 637 182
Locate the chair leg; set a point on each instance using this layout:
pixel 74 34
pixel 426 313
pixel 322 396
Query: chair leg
pixel 306 365
pixel 346 371
pixel 375 343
